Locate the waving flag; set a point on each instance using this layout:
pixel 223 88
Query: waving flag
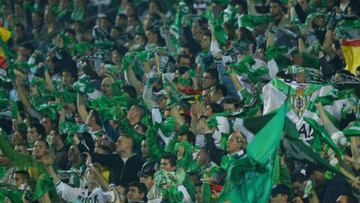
pixel 4 35
pixel 251 178
pixel 351 51
pixel 301 95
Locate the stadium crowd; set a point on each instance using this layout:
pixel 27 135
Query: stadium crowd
pixel 180 101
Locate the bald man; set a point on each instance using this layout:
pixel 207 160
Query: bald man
pixel 235 146
pixel 236 143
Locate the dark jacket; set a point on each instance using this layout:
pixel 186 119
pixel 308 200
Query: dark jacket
pixel 120 173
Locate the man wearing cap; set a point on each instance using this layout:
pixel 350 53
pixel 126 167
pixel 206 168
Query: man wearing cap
pixel 146 176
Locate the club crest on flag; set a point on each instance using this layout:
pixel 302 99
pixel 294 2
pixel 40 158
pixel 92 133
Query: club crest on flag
pixel 299 100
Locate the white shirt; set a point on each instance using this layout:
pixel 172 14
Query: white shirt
pixel 71 194
pixel 223 127
pixel 239 153
pixel 182 189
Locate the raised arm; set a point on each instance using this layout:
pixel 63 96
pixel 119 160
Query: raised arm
pixel 21 92
pixel 48 80
pixel 48 160
pixel 21 161
pixel 80 103
pixel 133 80
pixel 324 118
pixel 179 119
pixel 251 7
pixel 100 179
pixel 328 43
pixel 169 44
pixel 226 80
pixel 235 81
pixel 147 95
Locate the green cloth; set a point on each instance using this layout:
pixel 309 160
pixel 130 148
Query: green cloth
pixel 293 146
pixel 141 56
pixel 2 171
pixel 229 14
pixel 21 161
pixel 190 187
pixel 4 102
pixel 67 94
pixel 206 193
pixel 42 88
pixel 176 27
pixel 227 160
pixel 49 110
pixel 217 23
pixel 279 54
pixel 78 14
pixel 172 179
pixel 13 196
pixel 155 151
pixel 83 85
pixel 112 108
pixel 75 179
pixel 281 174
pixel 82 47
pixel 44 184
pixel 71 129
pixel 61 14
pixel 246 96
pixel 125 127
pixel 325 137
pixel 168 126
pixel 205 59
pixel 250 22
pixel 187 161
pixel 353 129
pixel 250 178
pixel 174 96
pixel 244 68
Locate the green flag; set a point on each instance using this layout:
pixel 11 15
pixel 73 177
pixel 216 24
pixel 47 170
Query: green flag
pixel 13 196
pixel 217 22
pixel 250 22
pixel 250 178
pixel 253 174
pixel 244 67
pixel 176 27
pixel 353 129
pixel 279 54
pixel 294 147
pixel 83 85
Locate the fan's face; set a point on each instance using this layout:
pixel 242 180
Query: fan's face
pixel 184 62
pixel 320 21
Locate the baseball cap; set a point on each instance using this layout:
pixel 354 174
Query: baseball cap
pixel 280 189
pixel 148 169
